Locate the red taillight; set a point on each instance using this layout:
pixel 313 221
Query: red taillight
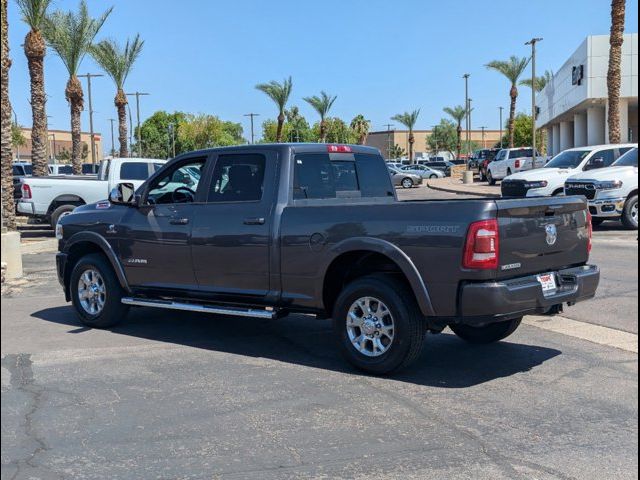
pixel 26 191
pixel 338 149
pixel 589 232
pixel 517 163
pixel 482 247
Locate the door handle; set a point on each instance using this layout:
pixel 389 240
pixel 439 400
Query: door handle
pixel 254 221
pixel 179 221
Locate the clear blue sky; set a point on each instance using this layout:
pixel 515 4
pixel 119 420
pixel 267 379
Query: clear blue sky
pixel 378 57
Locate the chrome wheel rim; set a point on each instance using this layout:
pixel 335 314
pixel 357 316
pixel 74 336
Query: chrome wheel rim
pixel 92 292
pixel 370 326
pixel 406 183
pixel 634 212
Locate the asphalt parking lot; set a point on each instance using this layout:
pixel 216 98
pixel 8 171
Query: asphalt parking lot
pixel 166 395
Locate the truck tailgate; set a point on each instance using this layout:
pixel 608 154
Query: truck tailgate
pixel 541 234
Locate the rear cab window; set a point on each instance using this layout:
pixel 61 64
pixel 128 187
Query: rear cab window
pixel 134 171
pixel 326 176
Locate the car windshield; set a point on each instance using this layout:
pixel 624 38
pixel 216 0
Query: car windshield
pixel 629 159
pixel 568 159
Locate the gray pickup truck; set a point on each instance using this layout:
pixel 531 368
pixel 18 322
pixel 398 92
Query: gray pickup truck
pixel 266 230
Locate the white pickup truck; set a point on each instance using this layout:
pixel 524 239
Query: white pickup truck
pixel 513 160
pixel 612 192
pixel 49 198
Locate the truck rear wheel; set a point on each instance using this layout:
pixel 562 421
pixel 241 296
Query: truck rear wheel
pixel 630 213
pixel 96 292
pixel 490 179
pixel 378 324
pixel 491 333
pixel 60 212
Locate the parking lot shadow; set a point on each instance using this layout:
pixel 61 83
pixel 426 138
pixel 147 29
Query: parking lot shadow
pixel 446 361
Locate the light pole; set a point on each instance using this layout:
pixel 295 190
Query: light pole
pixel 501 109
pixel 138 95
pixel 466 106
pixel 469 115
pixel 483 129
pixel 251 115
pixel 434 132
pixel 89 76
pixel 172 135
pixel 113 147
pixel 533 42
pixel 389 146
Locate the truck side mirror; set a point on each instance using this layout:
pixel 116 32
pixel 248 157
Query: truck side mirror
pixel 594 163
pixel 123 194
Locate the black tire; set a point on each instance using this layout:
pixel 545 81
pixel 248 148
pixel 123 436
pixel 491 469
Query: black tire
pixel 509 172
pixel 60 211
pixel 113 311
pixel 627 214
pixel 558 193
pixel 483 177
pixel 406 183
pixel 409 324
pixel 433 177
pixel 490 179
pixel 491 333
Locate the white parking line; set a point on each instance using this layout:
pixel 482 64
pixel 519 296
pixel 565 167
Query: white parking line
pixel 586 331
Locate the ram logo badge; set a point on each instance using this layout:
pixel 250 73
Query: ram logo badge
pixel 552 234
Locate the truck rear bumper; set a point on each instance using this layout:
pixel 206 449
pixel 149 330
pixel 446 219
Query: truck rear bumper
pixel 489 302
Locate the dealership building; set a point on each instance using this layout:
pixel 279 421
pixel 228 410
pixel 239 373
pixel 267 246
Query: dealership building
pixel 573 107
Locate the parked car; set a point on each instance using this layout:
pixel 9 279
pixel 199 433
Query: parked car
pixel 550 179
pixel 47 199
pixel 612 192
pixel 443 165
pixel 20 170
pixel 267 231
pixel 513 160
pixel 60 169
pixel 480 156
pixel 404 179
pixel 423 171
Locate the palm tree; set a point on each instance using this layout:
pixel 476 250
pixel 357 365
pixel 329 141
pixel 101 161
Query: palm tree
pixel 70 35
pixel 6 152
pixel 117 63
pixel 33 14
pixel 458 113
pixel 279 93
pixel 360 126
pixel 322 105
pixel 512 69
pixel 616 38
pixel 408 119
pixel 541 82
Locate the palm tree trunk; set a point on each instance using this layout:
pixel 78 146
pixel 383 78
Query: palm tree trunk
pixel 363 139
pixel 121 105
pixel 279 129
pixel 6 153
pixel 35 49
pixel 459 139
pixel 614 74
pixel 411 140
pixel 75 97
pixel 512 115
pixel 323 133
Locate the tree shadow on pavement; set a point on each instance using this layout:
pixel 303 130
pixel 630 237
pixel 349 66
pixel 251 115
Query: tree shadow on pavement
pixel 446 362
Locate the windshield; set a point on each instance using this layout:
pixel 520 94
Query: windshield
pixel 629 159
pixel 568 159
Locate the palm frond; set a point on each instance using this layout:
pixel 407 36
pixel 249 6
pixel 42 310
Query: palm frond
pixel 321 104
pixel 541 82
pixel 512 68
pixel 115 60
pixel 70 34
pixel 457 113
pixel 278 92
pixel 33 12
pixel 408 119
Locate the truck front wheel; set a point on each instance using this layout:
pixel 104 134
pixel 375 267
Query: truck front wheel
pixel 96 292
pixel 630 213
pixel 491 333
pixel 378 324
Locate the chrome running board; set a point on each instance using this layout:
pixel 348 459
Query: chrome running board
pixel 193 307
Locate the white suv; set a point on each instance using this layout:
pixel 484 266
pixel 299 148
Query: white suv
pixel 512 160
pixel 550 179
pixel 612 192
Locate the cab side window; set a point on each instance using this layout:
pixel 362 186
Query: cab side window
pixel 178 184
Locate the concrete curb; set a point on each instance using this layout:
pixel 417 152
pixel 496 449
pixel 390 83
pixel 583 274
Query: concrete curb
pixel 40 246
pixel 462 190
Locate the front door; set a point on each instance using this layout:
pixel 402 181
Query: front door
pixel 155 248
pixel 231 236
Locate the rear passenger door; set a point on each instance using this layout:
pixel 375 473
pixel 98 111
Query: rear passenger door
pixel 231 236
